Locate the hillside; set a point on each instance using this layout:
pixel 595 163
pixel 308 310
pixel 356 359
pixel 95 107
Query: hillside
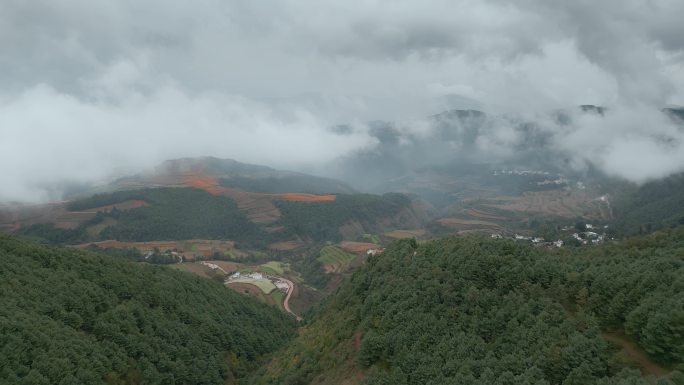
pixel 649 207
pixel 73 317
pixel 168 214
pixel 234 174
pixel 480 311
pixel 165 214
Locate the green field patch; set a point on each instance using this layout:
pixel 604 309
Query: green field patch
pixel 335 258
pixel 95 230
pixel 373 238
pixel 274 268
pixel 278 297
pixel 265 285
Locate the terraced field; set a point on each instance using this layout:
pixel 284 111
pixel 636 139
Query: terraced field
pixel 188 248
pixel 560 203
pixel 265 285
pixel 357 247
pixel 274 268
pixel 335 259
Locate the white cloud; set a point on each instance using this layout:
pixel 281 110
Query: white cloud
pixel 262 82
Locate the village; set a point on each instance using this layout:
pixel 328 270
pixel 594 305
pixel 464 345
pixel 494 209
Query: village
pixel 584 234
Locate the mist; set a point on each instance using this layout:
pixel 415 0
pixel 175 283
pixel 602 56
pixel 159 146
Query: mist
pixel 93 89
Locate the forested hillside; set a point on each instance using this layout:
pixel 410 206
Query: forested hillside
pixel 321 221
pixel 178 213
pixel 71 317
pixel 652 206
pixel 173 213
pixel 481 311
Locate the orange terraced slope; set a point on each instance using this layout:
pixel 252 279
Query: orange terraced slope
pixel 302 197
pixel 258 207
pixel 211 185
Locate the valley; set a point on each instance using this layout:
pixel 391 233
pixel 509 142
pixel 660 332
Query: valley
pixel 301 252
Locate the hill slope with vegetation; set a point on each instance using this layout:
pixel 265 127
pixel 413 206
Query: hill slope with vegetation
pixel 73 317
pixel 172 214
pixel 481 311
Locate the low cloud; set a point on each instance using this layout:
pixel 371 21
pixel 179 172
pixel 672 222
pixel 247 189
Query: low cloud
pixel 91 88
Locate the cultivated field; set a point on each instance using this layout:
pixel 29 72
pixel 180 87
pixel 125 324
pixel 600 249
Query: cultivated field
pixel 188 248
pixel 274 268
pixel 357 247
pixel 466 223
pixel 302 197
pixel 335 259
pixel 560 203
pixel 265 285
pixel 194 268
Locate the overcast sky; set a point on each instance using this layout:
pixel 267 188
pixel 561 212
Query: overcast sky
pixel 94 87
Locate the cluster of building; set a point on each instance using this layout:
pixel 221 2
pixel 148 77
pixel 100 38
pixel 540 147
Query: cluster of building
pixel 281 285
pixel 253 275
pixel 584 237
pixel 538 241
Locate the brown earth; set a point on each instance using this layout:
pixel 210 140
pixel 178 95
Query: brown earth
pixel 225 265
pixel 246 288
pixel 194 268
pixel 258 207
pixel 483 214
pixel 561 203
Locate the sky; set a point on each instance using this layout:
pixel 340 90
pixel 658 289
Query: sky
pixel 95 88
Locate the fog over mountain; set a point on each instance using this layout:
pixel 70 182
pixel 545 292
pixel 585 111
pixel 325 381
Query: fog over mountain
pixel 91 89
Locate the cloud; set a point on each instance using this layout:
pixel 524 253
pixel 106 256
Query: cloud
pixel 49 137
pixel 90 87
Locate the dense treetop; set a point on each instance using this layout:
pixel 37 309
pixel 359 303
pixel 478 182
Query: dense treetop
pixel 480 311
pixel 72 317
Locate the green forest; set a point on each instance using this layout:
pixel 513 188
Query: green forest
pixel 187 213
pixel 321 221
pixel 173 213
pixel 652 206
pixel 474 310
pixel 73 317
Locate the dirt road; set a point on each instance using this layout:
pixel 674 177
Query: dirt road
pixel 286 302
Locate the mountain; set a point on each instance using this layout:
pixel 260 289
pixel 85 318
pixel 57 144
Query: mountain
pixel 231 173
pixel 473 310
pixel 215 199
pixel 68 316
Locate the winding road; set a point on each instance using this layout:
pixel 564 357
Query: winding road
pixel 286 302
